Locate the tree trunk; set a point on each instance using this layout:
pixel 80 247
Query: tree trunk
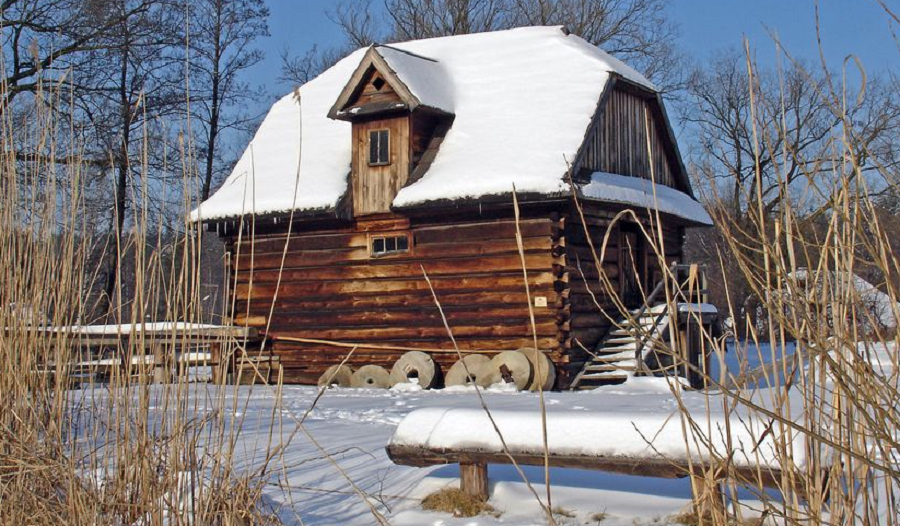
pixel 214 110
pixel 117 217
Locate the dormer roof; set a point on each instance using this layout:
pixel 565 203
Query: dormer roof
pixel 417 80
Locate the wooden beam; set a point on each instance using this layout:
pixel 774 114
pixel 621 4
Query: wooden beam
pixel 658 467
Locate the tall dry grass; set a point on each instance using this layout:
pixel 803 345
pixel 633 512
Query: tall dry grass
pixel 832 376
pixel 124 451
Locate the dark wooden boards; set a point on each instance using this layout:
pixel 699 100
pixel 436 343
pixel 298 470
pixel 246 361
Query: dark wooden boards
pixel 329 287
pixel 616 141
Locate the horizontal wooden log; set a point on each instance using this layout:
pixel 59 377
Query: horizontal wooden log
pixel 392 333
pixel 300 241
pixel 651 466
pixel 455 283
pixel 402 269
pixel 345 305
pixel 369 348
pixel 480 231
pixel 465 344
pixel 268 253
pixel 474 315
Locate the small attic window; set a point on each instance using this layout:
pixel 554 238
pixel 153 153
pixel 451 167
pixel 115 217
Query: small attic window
pixel 386 245
pixel 378 83
pixel 379 147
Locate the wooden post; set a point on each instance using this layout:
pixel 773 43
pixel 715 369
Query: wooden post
pixel 160 367
pixel 219 369
pixel 473 479
pixel 708 498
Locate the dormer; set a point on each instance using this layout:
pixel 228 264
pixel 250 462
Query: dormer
pixel 400 108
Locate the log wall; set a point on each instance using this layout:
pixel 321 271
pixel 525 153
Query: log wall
pixel 332 289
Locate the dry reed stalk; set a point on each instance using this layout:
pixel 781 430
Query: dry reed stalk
pixel 838 390
pixel 74 451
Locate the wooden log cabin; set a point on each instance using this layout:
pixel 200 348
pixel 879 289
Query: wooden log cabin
pixel 401 160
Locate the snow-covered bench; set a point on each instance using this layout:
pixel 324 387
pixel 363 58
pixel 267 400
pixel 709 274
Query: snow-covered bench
pixel 646 444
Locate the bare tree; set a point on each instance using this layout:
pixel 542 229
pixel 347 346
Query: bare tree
pixel 416 19
pixel 765 139
pixel 793 118
pixel 636 31
pixel 44 39
pixel 356 20
pixel 134 80
pixel 221 44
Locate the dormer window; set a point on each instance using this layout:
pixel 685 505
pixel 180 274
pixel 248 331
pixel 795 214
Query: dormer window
pixel 379 147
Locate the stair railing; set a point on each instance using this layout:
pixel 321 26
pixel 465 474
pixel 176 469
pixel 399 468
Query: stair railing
pixel 646 336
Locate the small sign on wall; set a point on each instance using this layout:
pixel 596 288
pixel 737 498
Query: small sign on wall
pixel 540 301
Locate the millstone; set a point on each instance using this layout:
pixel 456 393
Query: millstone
pixel 478 367
pixel 415 367
pixel 339 375
pixel 511 364
pixel 373 376
pixel 544 370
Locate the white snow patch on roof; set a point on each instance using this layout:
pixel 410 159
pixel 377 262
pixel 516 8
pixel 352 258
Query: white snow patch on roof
pixel 271 170
pixel 645 194
pixel 523 99
pixel 424 76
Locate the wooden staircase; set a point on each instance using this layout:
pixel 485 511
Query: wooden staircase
pixel 616 357
pixel 622 352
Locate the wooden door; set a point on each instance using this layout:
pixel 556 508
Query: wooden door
pixel 632 267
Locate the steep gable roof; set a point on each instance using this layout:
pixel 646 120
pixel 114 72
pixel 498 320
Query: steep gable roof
pixel 419 81
pixel 522 101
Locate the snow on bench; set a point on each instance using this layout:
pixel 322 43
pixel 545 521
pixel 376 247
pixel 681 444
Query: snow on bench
pixel 649 443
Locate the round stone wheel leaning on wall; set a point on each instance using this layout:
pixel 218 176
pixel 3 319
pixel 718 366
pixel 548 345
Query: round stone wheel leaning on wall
pixel 468 371
pixel 510 365
pixel 415 367
pixel 544 372
pixel 371 376
pixel 336 376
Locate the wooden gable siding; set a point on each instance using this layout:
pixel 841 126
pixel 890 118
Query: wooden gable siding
pixel 370 94
pixel 374 187
pixel 586 298
pixel 332 290
pixel 617 140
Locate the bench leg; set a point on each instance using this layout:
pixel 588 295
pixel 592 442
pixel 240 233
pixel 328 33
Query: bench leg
pixel 709 499
pixel 473 479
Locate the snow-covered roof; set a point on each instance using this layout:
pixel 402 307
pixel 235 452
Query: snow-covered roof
pixel 424 77
pixel 642 193
pixel 522 100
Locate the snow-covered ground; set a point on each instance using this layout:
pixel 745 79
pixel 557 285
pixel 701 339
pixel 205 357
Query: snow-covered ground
pixel 355 425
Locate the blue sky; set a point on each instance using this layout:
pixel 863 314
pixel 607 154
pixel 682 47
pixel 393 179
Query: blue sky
pixel 857 27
